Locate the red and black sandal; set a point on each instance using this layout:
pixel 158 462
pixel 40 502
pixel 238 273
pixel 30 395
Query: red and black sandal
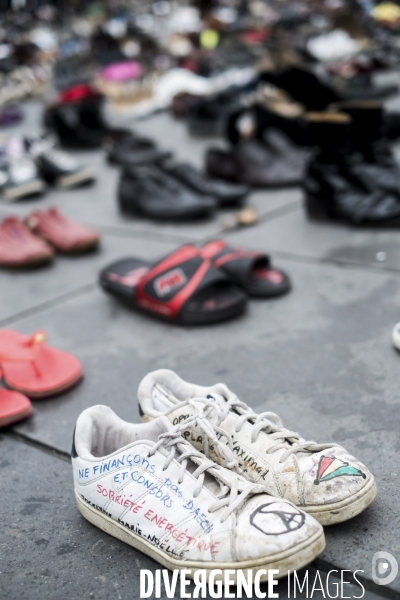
pixel 182 287
pixel 250 270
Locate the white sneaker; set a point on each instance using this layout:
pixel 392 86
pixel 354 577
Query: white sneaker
pixel 323 479
pixel 147 486
pixel 396 336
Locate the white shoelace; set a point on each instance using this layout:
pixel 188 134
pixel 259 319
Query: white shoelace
pixel 229 496
pixel 269 422
pixel 46 147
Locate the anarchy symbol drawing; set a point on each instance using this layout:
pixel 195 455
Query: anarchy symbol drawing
pixel 277 518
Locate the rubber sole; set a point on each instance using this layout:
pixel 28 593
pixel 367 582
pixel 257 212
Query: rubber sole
pixel 337 512
pixel 31 263
pixel 36 186
pixel 15 418
pixel 185 319
pixel 253 292
pixel 84 176
pixel 200 212
pixel 82 247
pixel 317 211
pixel 47 393
pixel 293 559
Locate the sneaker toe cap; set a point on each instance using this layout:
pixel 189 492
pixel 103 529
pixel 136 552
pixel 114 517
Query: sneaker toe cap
pixel 332 477
pixel 269 526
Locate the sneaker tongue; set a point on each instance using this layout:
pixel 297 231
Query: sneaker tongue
pixel 162 397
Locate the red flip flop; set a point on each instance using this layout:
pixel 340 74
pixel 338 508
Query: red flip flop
pixel 13 407
pixel 37 370
pixel 251 270
pixel 183 288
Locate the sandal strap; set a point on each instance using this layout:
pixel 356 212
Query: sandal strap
pixel 35 341
pixel 236 263
pixel 169 284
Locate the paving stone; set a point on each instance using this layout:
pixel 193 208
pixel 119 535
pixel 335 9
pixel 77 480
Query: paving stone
pixel 48 550
pixel 295 234
pixel 321 357
pixel 22 290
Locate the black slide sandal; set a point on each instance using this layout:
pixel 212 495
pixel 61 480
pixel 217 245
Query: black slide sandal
pixel 182 288
pixel 251 270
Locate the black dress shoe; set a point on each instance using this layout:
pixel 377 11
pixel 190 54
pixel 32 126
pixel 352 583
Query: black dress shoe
pixel 332 189
pixel 134 151
pixel 149 191
pixel 224 192
pixel 78 121
pixel 261 164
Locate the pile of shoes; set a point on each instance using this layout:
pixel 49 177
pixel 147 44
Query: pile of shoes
pixel 296 129
pixel 249 493
pixel 175 191
pixel 195 286
pixel 353 175
pixel 28 164
pixel 32 242
pixel 151 182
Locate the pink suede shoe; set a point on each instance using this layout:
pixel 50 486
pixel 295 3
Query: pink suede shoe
pixel 19 247
pixel 65 235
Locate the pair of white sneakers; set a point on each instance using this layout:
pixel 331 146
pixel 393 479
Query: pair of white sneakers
pixel 206 483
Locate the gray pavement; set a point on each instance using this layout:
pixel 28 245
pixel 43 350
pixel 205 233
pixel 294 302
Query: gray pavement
pixel 321 357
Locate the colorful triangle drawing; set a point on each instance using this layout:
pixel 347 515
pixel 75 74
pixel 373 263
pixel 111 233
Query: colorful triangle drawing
pixel 331 467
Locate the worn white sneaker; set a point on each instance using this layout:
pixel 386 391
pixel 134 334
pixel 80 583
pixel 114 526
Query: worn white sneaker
pixel 323 479
pixel 147 486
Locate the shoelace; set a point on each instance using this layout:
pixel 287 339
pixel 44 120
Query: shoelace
pixel 45 147
pixel 229 497
pixel 61 159
pixel 269 422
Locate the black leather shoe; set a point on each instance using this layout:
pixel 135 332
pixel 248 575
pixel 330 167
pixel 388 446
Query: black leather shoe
pixel 260 164
pixel 225 193
pixel 332 189
pixel 149 191
pixel 134 151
